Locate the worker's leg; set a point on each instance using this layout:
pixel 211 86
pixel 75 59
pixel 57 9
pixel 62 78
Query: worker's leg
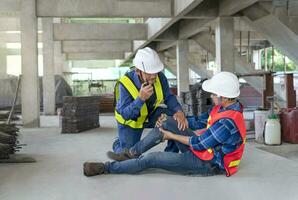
pixel 183 163
pixel 171 125
pixel 154 137
pixel 171 146
pixel 127 137
pixel 155 115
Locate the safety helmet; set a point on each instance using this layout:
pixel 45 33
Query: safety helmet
pixel 147 60
pixel 224 84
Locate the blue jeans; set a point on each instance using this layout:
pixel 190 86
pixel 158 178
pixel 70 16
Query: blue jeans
pixel 183 163
pixel 154 137
pixel 128 137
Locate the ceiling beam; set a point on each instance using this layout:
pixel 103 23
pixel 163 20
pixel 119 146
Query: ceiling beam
pixel 100 31
pixel 95 56
pixel 13 37
pixel 10 5
pixel 161 46
pixel 205 10
pixel 104 8
pixel 96 46
pixel 231 7
pixel 170 34
pixel 156 26
pixel 189 28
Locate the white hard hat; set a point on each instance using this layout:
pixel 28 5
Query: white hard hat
pixel 224 84
pixel 147 60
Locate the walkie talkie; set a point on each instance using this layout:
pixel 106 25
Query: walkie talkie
pixel 145 81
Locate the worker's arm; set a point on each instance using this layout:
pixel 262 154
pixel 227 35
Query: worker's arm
pixel 127 106
pixel 217 134
pixel 171 136
pixel 198 122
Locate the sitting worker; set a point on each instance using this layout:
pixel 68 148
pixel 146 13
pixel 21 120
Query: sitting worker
pixel 215 150
pixel 138 95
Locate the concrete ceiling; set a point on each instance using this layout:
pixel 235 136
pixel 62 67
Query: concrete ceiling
pixel 166 22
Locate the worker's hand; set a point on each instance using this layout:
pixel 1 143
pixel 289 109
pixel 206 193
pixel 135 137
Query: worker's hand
pixel 167 135
pixel 181 120
pixel 162 118
pixel 146 91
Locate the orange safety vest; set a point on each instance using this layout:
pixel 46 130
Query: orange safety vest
pixel 231 160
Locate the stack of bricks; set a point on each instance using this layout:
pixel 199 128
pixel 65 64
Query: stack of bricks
pixel 80 113
pixel 107 103
pixel 187 103
pixel 196 101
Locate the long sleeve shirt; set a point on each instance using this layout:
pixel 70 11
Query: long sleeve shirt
pixel 198 122
pixel 129 108
pixel 223 137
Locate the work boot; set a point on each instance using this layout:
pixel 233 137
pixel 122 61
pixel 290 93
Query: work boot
pixel 93 168
pixel 124 155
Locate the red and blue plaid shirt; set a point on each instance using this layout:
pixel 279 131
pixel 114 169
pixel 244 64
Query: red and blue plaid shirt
pixel 223 137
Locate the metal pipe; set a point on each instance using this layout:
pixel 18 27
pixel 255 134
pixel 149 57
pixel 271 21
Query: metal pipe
pixel 248 48
pixel 272 65
pixel 240 43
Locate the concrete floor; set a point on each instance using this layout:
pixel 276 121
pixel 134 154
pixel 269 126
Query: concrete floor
pixel 57 174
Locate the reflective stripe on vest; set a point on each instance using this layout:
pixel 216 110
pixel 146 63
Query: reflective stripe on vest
pixel 231 160
pixel 134 92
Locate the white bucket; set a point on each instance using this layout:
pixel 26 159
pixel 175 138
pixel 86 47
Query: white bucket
pixel 272 132
pixel 260 117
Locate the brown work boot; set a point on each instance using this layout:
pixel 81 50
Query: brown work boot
pixel 93 168
pixel 125 155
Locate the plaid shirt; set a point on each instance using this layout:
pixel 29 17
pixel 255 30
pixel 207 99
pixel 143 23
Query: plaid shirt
pixel 199 121
pixel 223 137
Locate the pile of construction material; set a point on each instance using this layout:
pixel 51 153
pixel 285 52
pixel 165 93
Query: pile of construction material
pixel 196 101
pixel 9 143
pixel 106 103
pixel 4 117
pixel 80 113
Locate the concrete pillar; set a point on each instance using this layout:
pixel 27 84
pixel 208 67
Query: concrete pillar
pixel 48 67
pixel 3 63
pixel 67 66
pixel 224 43
pixel 30 82
pixel 257 59
pixel 58 59
pixel 182 52
pixel 58 56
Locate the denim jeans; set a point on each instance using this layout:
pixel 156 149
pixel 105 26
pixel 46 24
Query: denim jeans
pixel 128 137
pixel 183 163
pixel 154 137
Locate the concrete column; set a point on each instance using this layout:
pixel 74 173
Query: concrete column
pixel 224 43
pixel 30 82
pixel 58 59
pixel 48 67
pixel 257 59
pixel 67 66
pixel 182 52
pixel 3 64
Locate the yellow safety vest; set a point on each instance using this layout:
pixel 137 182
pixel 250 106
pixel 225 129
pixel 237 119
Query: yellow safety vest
pixel 134 92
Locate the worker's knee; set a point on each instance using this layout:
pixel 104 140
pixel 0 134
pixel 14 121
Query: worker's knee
pixel 170 123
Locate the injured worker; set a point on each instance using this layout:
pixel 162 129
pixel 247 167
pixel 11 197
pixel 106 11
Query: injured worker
pixel 215 150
